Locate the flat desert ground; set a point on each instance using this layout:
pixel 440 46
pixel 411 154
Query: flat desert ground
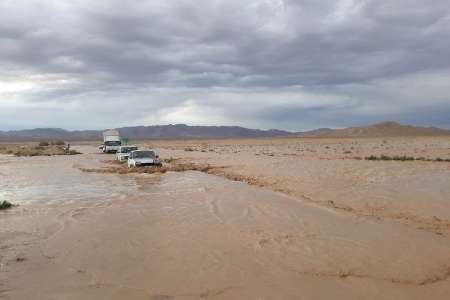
pixel 285 218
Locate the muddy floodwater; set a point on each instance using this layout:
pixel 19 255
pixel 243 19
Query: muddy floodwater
pixel 190 235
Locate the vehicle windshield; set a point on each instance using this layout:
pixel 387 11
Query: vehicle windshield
pixel 113 143
pixel 127 149
pixel 144 154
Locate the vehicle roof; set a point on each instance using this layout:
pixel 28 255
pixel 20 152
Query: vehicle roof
pixel 140 150
pixel 110 132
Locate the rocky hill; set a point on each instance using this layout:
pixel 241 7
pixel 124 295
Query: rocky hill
pixel 385 129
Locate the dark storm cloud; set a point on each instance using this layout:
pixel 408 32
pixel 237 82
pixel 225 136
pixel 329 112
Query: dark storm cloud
pixel 290 64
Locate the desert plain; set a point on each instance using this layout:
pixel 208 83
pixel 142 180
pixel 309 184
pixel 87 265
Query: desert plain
pixel 279 218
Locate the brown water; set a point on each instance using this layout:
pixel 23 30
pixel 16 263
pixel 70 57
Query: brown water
pixel 190 235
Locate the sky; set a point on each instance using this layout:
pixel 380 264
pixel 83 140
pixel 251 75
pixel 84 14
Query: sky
pixel 286 64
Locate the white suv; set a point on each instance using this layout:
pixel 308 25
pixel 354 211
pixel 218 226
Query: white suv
pixel 139 158
pixel 124 151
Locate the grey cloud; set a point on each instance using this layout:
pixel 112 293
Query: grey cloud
pixel 160 55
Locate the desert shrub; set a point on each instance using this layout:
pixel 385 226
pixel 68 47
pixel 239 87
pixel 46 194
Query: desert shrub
pixel 372 157
pixel 43 144
pixel 58 143
pixel 5 205
pixel 73 152
pixel 347 152
pixel 189 149
pixel 26 153
pixel 385 157
pixel 403 158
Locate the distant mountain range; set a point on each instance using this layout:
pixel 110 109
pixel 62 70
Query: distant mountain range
pixel 143 132
pixel 384 129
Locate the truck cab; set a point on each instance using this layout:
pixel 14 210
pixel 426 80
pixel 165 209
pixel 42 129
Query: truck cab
pixel 111 141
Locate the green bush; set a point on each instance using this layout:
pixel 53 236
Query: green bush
pixel 43 144
pixel 5 205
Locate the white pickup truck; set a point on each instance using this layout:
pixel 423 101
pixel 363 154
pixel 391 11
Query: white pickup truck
pixel 111 141
pixel 124 152
pixel 140 158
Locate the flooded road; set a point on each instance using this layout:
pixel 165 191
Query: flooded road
pixel 191 235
